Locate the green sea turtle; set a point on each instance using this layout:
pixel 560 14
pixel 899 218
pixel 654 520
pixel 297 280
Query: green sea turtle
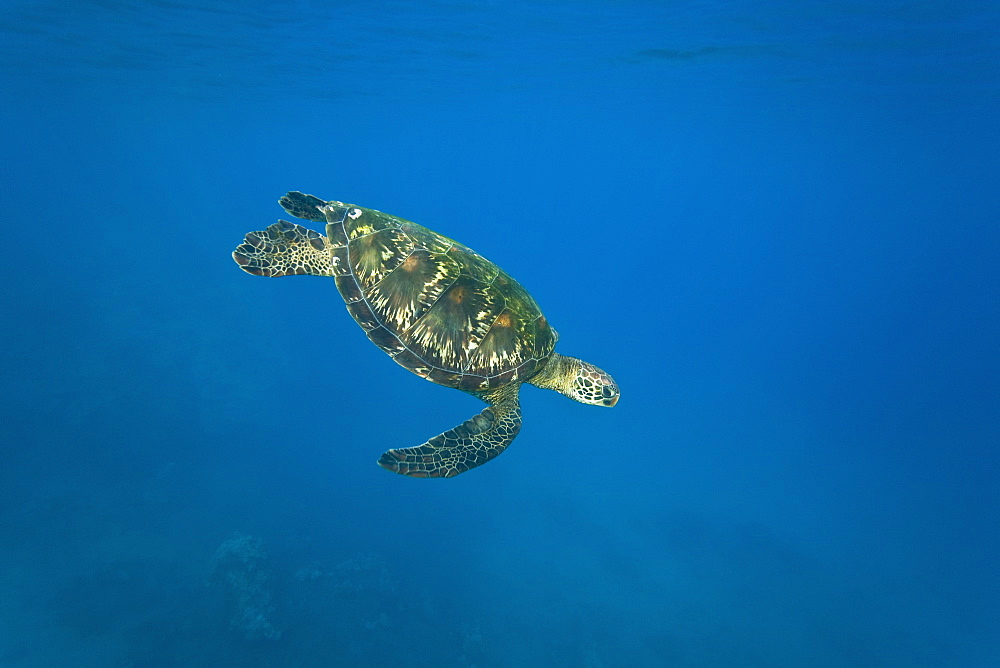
pixel 439 309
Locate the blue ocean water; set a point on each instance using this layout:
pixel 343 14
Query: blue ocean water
pixel 777 224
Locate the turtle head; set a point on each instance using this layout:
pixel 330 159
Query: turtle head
pixel 592 385
pixel 578 380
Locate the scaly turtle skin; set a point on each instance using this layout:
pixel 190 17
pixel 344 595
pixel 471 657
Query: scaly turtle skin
pixel 437 308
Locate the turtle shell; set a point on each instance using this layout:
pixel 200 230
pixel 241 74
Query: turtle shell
pixel 435 306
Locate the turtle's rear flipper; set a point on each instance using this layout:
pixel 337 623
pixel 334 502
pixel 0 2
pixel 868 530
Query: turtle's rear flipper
pixel 284 249
pixel 470 444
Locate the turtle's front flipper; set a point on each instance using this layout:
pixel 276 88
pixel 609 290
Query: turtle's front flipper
pixel 303 206
pixel 284 249
pixel 470 444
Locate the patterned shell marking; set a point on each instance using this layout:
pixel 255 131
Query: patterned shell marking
pixel 439 309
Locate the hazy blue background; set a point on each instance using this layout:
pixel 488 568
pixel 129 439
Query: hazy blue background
pixel 776 223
